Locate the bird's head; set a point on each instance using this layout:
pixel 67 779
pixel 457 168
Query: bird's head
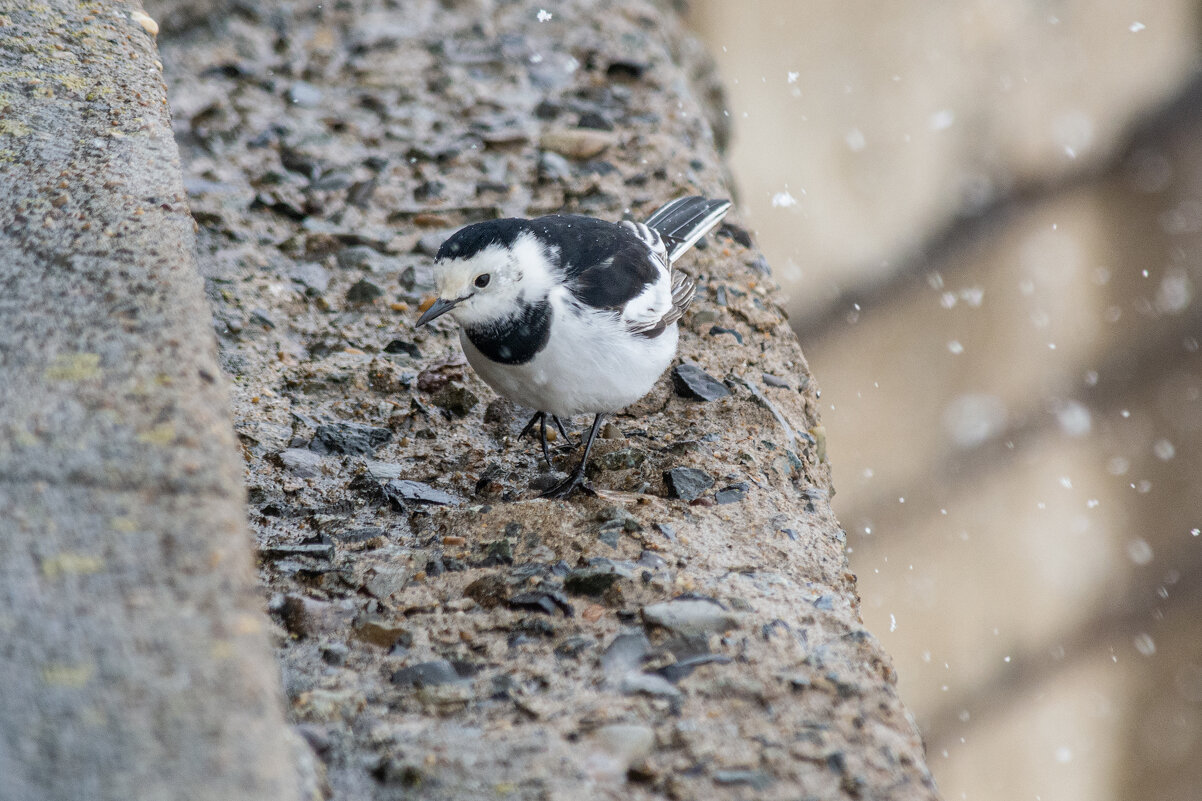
pixel 487 272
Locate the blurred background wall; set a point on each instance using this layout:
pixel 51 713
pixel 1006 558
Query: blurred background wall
pixel 988 215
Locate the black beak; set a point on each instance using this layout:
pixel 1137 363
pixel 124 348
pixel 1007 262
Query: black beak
pixel 439 308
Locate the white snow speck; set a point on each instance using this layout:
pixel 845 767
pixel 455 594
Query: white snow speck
pixel 974 418
pixel 1195 531
pixel 1144 644
pixel 955 347
pixel 782 200
pixel 1064 754
pixel 1164 450
pixel 892 622
pixel 793 76
pixel 1136 27
pixel 1139 551
pixel 1066 482
pixel 941 120
pixel 1074 418
pixel 544 15
pixel 1092 503
pixel 855 140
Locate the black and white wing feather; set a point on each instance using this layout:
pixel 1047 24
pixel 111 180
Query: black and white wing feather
pixel 627 267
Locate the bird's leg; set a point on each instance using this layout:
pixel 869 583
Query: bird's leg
pixel 576 480
pixel 542 433
pixel 530 426
pixel 541 419
pixel 559 425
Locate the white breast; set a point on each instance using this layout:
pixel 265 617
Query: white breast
pixel 591 363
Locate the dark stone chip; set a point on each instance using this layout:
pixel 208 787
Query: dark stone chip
pixel 499 552
pixel 739 235
pixel 592 580
pixel 401 346
pixel 488 591
pixel 352 439
pixel 693 382
pixel 547 602
pixel 358 535
pixel 417 492
pixel 760 265
pixel 626 70
pixel 732 494
pixel 428 190
pixel 547 110
pixel 683 667
pixel 363 291
pixel 260 317
pixel 595 120
pixel 717 329
pixel 426 674
pixel 573 647
pixel 687 483
pixel 316 550
pixel 625 653
pixel 456 399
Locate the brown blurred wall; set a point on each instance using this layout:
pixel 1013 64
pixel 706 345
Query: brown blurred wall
pixel 989 217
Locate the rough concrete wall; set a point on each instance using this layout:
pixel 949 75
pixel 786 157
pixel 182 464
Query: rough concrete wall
pixel 454 637
pixel 133 658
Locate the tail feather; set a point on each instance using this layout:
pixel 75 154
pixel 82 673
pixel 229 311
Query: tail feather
pixel 682 222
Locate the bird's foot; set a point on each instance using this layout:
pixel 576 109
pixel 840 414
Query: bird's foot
pixel 575 481
pixel 559 424
pixel 540 418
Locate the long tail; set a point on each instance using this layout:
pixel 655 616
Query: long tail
pixel 685 220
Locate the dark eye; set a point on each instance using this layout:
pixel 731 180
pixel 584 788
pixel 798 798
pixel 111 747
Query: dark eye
pixel 482 280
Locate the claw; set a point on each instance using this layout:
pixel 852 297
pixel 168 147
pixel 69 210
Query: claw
pixel 541 419
pixel 569 485
pixel 576 480
pixel 562 430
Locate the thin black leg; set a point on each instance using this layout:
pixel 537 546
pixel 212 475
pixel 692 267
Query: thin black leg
pixel 576 481
pixel 541 419
pixel 542 435
pixel 562 430
pixel 530 426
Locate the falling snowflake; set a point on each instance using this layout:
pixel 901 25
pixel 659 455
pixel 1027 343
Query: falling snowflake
pixel 783 200
pixel 941 120
pixel 544 15
pixel 1136 27
pixel 793 76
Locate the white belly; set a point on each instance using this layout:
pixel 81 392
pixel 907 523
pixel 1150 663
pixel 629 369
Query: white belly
pixel 590 365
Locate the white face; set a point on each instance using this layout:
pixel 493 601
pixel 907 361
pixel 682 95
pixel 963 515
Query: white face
pixel 494 282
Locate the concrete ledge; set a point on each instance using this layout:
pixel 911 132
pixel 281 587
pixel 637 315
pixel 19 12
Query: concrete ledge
pixel 133 659
pixel 468 641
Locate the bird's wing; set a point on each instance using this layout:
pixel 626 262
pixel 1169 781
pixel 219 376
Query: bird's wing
pixel 626 267
pixel 682 222
pixel 603 265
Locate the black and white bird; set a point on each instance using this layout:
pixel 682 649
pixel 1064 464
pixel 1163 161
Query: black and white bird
pixel 567 314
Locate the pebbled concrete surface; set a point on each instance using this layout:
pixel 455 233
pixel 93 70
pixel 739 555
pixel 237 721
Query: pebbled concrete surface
pixel 443 634
pixel 133 659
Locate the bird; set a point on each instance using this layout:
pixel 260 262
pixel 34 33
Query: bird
pixel 568 314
